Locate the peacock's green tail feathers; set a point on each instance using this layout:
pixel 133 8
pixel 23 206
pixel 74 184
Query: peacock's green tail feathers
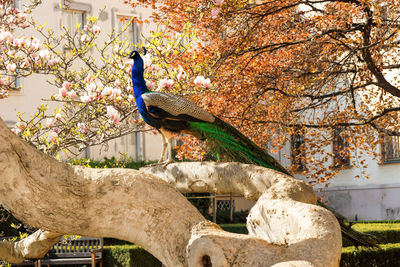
pixel 226 141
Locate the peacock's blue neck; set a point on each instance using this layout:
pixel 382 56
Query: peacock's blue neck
pixel 140 88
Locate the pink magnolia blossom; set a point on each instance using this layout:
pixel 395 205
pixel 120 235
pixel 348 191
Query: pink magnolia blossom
pixel 99 85
pixel 72 94
pixel 107 91
pixel 52 137
pixel 58 116
pixel 215 13
pixel 90 78
pixel 62 92
pixel 54 61
pixel 35 44
pixel 22 16
pixel 117 82
pixel 3 93
pixel 11 53
pixel 198 81
pixel 66 85
pixel 201 81
pixel 25 63
pixel 18 42
pixel 116 92
pixel 149 84
pixel 5 36
pixel 181 74
pixel 84 38
pixel 116 49
pixel 91 87
pixel 49 123
pixel 21 125
pixel 82 128
pixel 19 54
pixel 147 60
pixel 96 29
pixel 166 83
pixel 56 130
pixel 11 67
pixel 113 114
pixel 7 80
pixel 44 54
pixel 206 83
pixel 218 2
pixel 86 98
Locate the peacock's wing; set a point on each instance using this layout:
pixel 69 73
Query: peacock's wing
pixel 172 107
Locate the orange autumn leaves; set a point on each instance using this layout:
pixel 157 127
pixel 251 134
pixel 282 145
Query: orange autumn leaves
pixel 277 67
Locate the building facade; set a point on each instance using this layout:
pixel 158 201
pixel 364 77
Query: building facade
pixel 374 195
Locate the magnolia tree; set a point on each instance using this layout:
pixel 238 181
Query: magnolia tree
pixel 96 96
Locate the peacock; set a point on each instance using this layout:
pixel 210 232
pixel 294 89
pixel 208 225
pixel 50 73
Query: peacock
pixel 172 115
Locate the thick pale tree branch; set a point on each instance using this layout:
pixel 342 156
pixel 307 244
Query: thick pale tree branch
pixel 145 207
pixel 34 246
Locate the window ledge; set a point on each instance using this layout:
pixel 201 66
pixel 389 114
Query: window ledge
pixel 342 167
pixel 390 161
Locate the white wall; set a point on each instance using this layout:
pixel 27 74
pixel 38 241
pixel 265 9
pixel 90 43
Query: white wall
pixel 371 202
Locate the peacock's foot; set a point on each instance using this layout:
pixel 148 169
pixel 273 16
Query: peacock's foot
pixel 161 163
pixel 166 163
pixel 155 164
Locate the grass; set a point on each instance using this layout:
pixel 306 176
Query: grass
pixel 365 227
pixel 238 228
pixel 385 232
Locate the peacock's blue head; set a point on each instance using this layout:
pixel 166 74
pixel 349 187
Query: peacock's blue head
pixel 134 55
pixel 138 65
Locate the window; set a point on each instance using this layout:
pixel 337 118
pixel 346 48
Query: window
pixel 340 146
pixel 71 18
pixel 132 33
pixel 391 149
pixel 297 149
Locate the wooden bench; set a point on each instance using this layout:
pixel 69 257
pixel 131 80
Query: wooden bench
pixel 84 250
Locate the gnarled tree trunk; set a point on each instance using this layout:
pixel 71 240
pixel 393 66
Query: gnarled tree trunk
pixel 147 208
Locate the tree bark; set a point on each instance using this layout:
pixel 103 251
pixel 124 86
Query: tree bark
pixel 147 208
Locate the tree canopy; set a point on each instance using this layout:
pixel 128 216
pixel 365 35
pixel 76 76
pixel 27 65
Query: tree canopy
pixel 284 67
